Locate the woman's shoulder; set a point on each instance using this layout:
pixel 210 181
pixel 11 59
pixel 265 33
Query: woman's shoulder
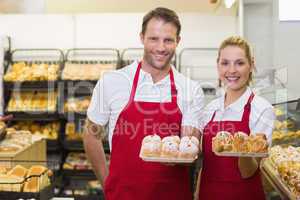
pixel 261 102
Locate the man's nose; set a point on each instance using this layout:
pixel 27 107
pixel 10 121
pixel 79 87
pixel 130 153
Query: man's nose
pixel 161 46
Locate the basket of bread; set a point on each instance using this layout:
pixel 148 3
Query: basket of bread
pixel 283 169
pixel 170 149
pixel 240 144
pixel 26 182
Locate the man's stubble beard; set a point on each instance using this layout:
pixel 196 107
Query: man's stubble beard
pixel 149 60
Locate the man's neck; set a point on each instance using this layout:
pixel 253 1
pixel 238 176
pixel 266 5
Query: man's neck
pixel 156 74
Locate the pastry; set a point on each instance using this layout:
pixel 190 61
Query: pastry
pixel 10 183
pixel 175 139
pixel 240 140
pixel 18 171
pixel 222 142
pixel 37 179
pixel 151 146
pixel 170 149
pixel 257 143
pixel 188 148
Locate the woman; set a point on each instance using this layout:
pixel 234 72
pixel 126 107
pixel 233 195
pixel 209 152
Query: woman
pixel 239 109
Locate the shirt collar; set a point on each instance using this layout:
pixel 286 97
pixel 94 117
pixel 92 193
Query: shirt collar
pixel 239 104
pixel 147 76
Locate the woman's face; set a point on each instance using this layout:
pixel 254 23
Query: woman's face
pixel 234 68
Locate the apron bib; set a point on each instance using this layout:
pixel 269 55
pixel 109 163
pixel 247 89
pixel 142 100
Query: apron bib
pixel 220 176
pixel 132 178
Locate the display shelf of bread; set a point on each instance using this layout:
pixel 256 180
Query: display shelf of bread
pixel 30 71
pixel 77 161
pixel 71 133
pixel 286 132
pixel 240 144
pixel 48 130
pixel 170 149
pixel 32 101
pixel 77 71
pixel 283 170
pixel 77 104
pixel 21 179
pixel 89 64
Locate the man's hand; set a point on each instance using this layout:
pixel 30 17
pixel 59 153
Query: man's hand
pixel 6 118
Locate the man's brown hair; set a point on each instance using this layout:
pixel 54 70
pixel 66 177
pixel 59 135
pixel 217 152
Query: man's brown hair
pixel 165 14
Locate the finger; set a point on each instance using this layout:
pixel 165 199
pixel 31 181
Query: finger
pixel 6 118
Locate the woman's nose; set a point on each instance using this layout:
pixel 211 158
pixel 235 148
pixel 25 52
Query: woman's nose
pixel 232 68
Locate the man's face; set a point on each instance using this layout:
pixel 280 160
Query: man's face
pixel 160 41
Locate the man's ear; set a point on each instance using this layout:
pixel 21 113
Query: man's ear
pixel 142 37
pixel 178 39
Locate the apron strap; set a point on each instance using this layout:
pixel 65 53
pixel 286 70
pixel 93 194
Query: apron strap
pixel 136 79
pixel 173 87
pixel 247 108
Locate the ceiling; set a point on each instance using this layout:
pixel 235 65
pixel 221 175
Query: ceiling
pixel 104 6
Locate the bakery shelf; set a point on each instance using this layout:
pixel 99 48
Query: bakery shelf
pixel 77 145
pixel 79 173
pixel 78 188
pixel 85 197
pixel 45 194
pixel 33 116
pixel 30 57
pixel 130 55
pixel 79 60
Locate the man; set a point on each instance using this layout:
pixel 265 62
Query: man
pixel 149 97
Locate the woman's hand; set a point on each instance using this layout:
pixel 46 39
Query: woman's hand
pixel 248 166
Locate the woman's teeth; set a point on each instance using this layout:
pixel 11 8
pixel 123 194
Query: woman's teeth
pixel 232 78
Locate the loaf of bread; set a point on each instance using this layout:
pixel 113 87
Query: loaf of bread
pixel 35 184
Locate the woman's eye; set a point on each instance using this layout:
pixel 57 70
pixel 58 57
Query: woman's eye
pixel 240 63
pixel 224 63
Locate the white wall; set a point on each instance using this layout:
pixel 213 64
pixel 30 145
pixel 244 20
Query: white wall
pixel 287 48
pixel 115 30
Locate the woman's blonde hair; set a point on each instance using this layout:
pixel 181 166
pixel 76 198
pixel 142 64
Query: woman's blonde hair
pixel 243 44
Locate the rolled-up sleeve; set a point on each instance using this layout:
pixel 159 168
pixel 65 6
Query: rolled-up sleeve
pixel 98 110
pixel 265 124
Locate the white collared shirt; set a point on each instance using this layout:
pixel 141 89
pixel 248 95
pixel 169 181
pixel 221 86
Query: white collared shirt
pixel 112 93
pixel 262 115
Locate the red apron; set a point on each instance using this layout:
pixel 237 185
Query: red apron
pixel 220 176
pixel 131 178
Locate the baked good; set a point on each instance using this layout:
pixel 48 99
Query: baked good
pixel 3 170
pixel 37 179
pixel 240 140
pixel 151 146
pixel 188 147
pixel 18 171
pixel 170 149
pixel 222 142
pixel 257 143
pixel 175 139
pixel 11 183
